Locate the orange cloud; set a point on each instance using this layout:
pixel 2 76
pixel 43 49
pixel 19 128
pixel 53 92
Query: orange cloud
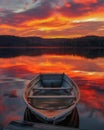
pixel 85 1
pixel 68 5
pixel 65 20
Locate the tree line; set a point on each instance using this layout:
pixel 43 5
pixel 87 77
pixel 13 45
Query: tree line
pixel 85 42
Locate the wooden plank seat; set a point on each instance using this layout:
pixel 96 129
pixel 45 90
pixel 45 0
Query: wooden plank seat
pixel 52 88
pixel 52 96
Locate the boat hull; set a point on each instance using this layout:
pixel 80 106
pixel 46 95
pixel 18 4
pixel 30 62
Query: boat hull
pixel 71 120
pixel 51 97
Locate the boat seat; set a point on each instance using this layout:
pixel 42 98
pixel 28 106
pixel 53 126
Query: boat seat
pixel 53 96
pixel 41 88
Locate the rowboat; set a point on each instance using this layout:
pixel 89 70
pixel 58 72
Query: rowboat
pixel 51 97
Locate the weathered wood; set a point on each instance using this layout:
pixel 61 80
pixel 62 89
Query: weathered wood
pixel 60 88
pixel 53 96
pixel 18 125
pixel 52 87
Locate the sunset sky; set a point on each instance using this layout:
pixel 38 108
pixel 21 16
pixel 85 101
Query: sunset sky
pixel 52 18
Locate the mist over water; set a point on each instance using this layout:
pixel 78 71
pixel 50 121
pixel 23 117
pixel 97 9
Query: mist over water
pixel 85 67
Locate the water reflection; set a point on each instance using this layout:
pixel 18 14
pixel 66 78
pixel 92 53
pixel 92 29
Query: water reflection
pixel 15 73
pixel 38 51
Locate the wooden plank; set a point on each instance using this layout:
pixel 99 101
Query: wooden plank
pixel 19 125
pixel 53 96
pixel 52 88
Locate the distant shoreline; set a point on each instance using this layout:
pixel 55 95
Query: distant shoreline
pixel 37 42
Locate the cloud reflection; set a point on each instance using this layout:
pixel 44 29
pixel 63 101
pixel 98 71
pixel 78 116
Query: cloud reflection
pixel 87 73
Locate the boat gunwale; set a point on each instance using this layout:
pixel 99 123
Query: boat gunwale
pixel 68 110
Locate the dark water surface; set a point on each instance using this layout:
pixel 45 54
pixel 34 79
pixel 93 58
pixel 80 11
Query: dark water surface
pixel 85 67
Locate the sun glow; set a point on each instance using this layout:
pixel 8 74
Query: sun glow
pixel 63 19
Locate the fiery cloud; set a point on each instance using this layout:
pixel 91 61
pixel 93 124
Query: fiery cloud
pixel 85 1
pixel 46 18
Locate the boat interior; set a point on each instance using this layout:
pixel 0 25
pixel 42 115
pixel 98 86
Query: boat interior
pixel 51 92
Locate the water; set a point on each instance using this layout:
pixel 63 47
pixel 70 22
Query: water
pixel 85 67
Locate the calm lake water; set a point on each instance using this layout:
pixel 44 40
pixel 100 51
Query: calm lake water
pixel 85 67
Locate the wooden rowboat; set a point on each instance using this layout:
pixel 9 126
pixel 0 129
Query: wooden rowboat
pixel 51 97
